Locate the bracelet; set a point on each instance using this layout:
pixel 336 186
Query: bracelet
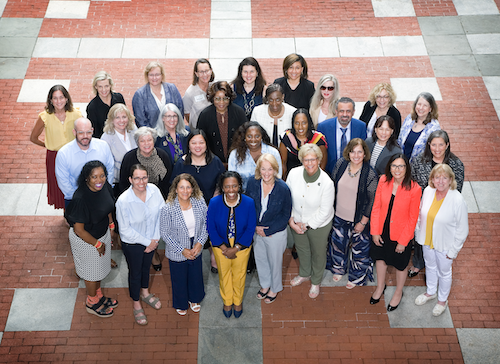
pixel 98 244
pixel 237 247
pixel 112 225
pixel 362 223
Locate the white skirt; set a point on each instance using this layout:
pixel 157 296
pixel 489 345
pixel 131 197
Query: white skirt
pixel 88 264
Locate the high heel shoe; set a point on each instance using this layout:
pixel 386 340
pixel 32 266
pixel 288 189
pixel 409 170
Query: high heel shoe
pixel 392 308
pixel 228 313
pixel 374 301
pixel 237 314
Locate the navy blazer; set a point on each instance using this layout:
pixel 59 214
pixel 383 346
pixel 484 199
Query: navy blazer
pixel 394 113
pixel 162 143
pixel 279 205
pixel 329 129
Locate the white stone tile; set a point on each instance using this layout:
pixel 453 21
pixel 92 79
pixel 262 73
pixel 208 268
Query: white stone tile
pixel 13 68
pixel 317 47
pixel 405 46
pixel 492 84
pixel 2 8
pixel 476 7
pixel 100 48
pixel 225 69
pixel 484 43
pixel 111 0
pixel 469 198
pixel 188 48
pixel 486 195
pixel 358 108
pixel 360 47
pixel 408 89
pixel 19 198
pixel 37 90
pixel 393 8
pixel 230 15
pixel 56 47
pixel 273 47
pixel 241 6
pixel 1 333
pixel 144 48
pixel 231 29
pixel 496 105
pixel 82 106
pixel 479 345
pixel 43 208
pixel 67 9
pixel 20 27
pixel 230 48
pixel 41 309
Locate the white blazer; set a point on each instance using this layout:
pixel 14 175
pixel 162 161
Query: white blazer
pixel 451 224
pixel 260 114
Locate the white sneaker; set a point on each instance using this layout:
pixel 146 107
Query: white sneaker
pixel 298 280
pixel 423 299
pixel 439 309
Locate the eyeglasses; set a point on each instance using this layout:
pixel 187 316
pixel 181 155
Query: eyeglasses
pixel 154 75
pixel 395 166
pixel 312 160
pixel 219 99
pixel 170 117
pixel 141 179
pixel 330 88
pixel 206 72
pixel 386 97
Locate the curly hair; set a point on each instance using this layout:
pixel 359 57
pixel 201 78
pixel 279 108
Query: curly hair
pixel 372 97
pixel 172 193
pixel 87 171
pixel 220 86
pixel 239 139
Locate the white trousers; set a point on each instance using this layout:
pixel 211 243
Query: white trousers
pixel 269 259
pixel 437 272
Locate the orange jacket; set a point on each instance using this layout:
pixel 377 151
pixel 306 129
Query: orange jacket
pixel 404 214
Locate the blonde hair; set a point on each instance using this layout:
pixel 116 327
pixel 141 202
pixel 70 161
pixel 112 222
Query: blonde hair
pixel 150 66
pixel 109 126
pixel 372 97
pixel 269 158
pixel 101 76
pixel 443 169
pixel 172 193
pixel 310 148
pixel 318 97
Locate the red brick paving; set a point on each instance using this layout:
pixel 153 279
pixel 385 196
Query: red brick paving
pixel 434 8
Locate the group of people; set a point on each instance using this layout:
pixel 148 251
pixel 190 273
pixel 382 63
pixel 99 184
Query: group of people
pixel 247 169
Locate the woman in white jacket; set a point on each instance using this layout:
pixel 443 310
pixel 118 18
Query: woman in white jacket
pixel 442 229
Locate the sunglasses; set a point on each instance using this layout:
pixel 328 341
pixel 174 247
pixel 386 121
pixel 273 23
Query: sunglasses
pixel 330 88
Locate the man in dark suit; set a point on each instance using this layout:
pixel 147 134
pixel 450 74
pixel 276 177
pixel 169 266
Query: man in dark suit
pixel 340 130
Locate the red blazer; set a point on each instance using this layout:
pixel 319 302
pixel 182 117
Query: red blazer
pixel 404 210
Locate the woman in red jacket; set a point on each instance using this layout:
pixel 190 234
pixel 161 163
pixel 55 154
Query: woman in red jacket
pixel 393 220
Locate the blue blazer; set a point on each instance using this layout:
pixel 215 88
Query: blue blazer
pixel 279 206
pixel 329 130
pixel 145 109
pixel 218 219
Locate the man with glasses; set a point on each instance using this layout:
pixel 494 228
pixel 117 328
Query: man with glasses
pixel 340 130
pixel 72 157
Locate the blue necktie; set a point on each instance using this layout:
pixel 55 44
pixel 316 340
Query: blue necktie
pixel 343 141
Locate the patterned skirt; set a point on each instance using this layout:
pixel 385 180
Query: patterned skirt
pixel 88 264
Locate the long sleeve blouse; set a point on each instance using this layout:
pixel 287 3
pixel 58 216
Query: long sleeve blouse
pixel 139 220
pixel 451 224
pixel 174 231
pixel 421 170
pixel 404 214
pixel 279 205
pixel 312 203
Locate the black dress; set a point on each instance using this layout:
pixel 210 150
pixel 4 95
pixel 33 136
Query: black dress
pixel 97 112
pixel 387 252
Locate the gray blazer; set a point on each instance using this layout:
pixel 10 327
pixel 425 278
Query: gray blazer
pixel 384 156
pixel 118 149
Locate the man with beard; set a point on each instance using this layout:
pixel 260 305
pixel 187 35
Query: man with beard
pixel 340 130
pixel 72 157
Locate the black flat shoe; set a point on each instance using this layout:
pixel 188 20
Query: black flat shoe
pixel 392 308
pixel 294 254
pixel 374 301
pixel 157 267
pixel 214 270
pixel 412 273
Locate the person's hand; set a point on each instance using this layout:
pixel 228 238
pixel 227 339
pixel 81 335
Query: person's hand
pixel 196 250
pixel 102 250
pixel 297 227
pixel 230 253
pixel 188 254
pixel 152 246
pixel 400 248
pixel 377 240
pixel 359 227
pixel 260 230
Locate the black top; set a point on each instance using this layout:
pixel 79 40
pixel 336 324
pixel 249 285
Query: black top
pixel 207 121
pixel 301 96
pixel 131 158
pixel 206 176
pixel 91 209
pixel 394 113
pixel 97 112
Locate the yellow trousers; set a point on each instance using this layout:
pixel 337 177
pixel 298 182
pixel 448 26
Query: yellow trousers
pixel 232 275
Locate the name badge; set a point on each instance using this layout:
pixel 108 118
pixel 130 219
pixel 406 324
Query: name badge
pixel 199 98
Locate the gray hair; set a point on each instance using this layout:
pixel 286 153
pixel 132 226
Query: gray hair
pixel 160 125
pixel 143 131
pixel 345 100
pixel 310 148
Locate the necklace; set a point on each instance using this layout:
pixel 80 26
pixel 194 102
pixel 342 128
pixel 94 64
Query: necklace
pixel 349 171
